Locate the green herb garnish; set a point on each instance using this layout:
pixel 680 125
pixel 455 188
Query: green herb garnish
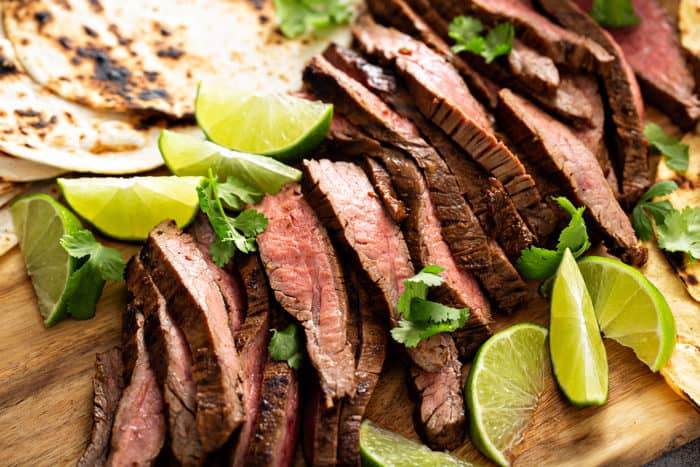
pixel 680 232
pixel 299 16
pixel 675 152
pixel 541 263
pixel 467 33
pixel 614 13
pixel 646 209
pixel 422 318
pixel 97 265
pixel 287 345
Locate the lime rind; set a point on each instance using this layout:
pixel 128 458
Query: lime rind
pixel 277 125
pixel 623 311
pixel 47 263
pixel 186 155
pixel 504 386
pixel 128 208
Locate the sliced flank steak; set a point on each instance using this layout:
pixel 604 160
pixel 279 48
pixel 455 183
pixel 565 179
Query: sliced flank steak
pixel 442 97
pixel 171 361
pixel 381 180
pixel 305 276
pixel 139 429
pixel 562 46
pixel 108 385
pixel 252 341
pixel 653 50
pixel 320 428
pixel 460 227
pixel 561 155
pixel 623 97
pixel 182 275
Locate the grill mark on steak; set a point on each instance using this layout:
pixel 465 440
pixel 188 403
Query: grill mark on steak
pixel 441 96
pixel 171 361
pixel 181 273
pixel 460 227
pixel 277 426
pixel 138 433
pixel 252 342
pixel 382 183
pixel 108 385
pixel 230 290
pixel 561 45
pixel 623 98
pixel 653 50
pixel 555 149
pixel 493 207
pixel 305 276
pixel 431 31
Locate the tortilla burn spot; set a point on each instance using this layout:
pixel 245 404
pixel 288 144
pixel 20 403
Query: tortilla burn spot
pixel 164 32
pixel 7 67
pixel 27 113
pixel 24 41
pixel 65 42
pixel 43 18
pixel 151 75
pixel 263 19
pixel 75 61
pixel 170 52
pixel 89 31
pixel 153 94
pixel 105 68
pixel 691 279
pixel 96 5
pixel 257 4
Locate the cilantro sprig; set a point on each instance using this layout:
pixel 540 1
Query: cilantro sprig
pixel 675 152
pixel 614 13
pixel 467 33
pixel 287 345
pixel 296 17
pixel 422 318
pixel 646 209
pixel 232 233
pixel 541 263
pixel 97 264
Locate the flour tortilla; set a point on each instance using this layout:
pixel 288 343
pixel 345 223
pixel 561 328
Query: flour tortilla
pixel 13 169
pixel 9 191
pixel 150 54
pixel 8 239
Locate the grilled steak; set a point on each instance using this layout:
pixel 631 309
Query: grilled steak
pixel 654 52
pixel 304 273
pixel 182 275
pixel 537 71
pixel 320 435
pixel 203 235
pixel 441 405
pixel 252 342
pixel 442 97
pixel 496 212
pixel 108 385
pixel 561 155
pixel 171 361
pixel 277 426
pixel 461 229
pixel 623 96
pixel 382 183
pixel 138 433
pixel 562 46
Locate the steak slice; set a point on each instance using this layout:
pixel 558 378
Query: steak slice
pixel 171 361
pixel 138 433
pixel 460 227
pixel 305 276
pixel 623 97
pixel 108 385
pixel 230 290
pixel 483 195
pixel 381 180
pixel 252 341
pixel 182 275
pixel 320 439
pixel 653 49
pixel 560 154
pixel 537 71
pixel 276 431
pixel 442 97
pixel 562 46
pixel 441 405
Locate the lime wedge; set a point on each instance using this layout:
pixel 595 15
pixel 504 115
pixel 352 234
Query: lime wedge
pixel 630 309
pixel 382 448
pixel 579 360
pixel 40 222
pixel 504 386
pixel 129 208
pixel 277 125
pixel 187 155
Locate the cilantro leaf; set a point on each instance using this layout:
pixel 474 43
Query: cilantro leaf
pixel 681 232
pixel 417 287
pixel 251 222
pixel 467 34
pixel 657 209
pixel 97 265
pixel 540 263
pixel 425 311
pixel 410 333
pixel 296 17
pixel 236 194
pixel 287 345
pixel 614 13
pixel 675 152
